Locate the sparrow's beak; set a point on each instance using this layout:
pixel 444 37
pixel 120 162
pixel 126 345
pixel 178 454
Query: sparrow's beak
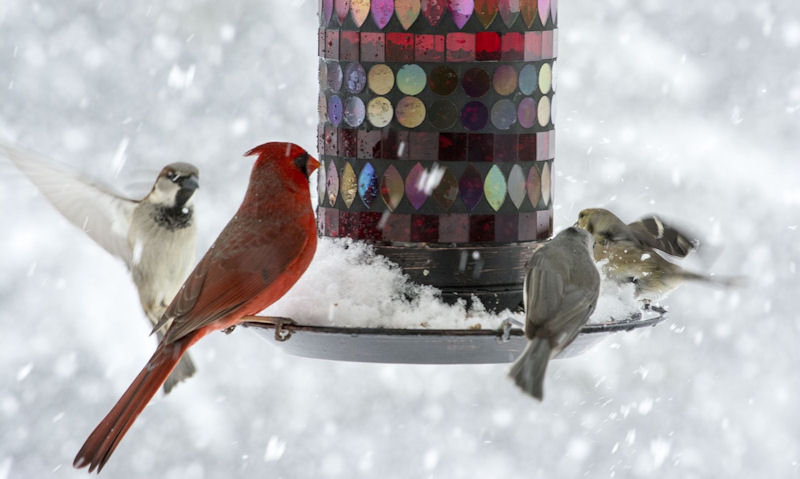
pixel 190 182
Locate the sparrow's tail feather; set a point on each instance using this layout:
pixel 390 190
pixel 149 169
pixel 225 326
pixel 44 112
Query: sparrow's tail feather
pixel 528 370
pixel 723 281
pixel 183 371
pixel 106 436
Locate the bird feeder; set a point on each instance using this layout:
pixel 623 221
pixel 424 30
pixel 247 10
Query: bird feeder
pixel 436 142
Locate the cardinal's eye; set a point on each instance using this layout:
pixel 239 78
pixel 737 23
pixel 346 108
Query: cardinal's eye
pixel 301 162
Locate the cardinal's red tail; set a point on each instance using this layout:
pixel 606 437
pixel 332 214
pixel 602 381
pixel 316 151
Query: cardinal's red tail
pixel 105 437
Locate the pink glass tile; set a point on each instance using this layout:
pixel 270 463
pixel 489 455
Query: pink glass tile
pixel 544 224
pixel 533 46
pixel 369 143
pixel 397 227
pixel 423 145
pixel 372 47
pixel 332 183
pixel 382 11
pixel 506 228
pixel 460 47
pixel 348 45
pixel 327 11
pixel 331 140
pixel 415 195
pixel 544 10
pixel 487 46
pixel 547 44
pixel 332 44
pixel 399 47
pixel 454 228
pixel 321 43
pixel 552 142
pixel 527 226
pixel 512 46
pixel 342 8
pixel 429 48
pixel 542 146
pixel 460 11
pixel 554 10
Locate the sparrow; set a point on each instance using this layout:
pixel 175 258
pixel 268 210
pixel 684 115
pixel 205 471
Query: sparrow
pixel 258 256
pixel 155 237
pixel 627 253
pixel 560 292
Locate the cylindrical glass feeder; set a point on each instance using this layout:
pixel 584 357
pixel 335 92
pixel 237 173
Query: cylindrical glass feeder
pixel 436 136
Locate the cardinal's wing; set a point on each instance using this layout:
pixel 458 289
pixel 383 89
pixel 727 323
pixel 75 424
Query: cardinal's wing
pixel 105 217
pixel 244 262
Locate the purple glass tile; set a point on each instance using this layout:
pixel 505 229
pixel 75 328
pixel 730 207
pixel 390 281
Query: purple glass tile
pixel 527 147
pixel 471 187
pixel 547 44
pixel 474 115
pixel 512 46
pixel 332 183
pixel 454 228
pixel 429 48
pixel 368 185
pixel 452 146
pixel 372 47
pixel 526 112
pixel 331 140
pixel 481 228
pixel 327 11
pixel 476 82
pixel 544 10
pixel 542 146
pixel 354 111
pixel 527 226
pixel 399 47
pixel 332 44
pixel 487 46
pixel 460 11
pixel 334 76
pixel 342 8
pixel 533 46
pixel 348 142
pixel 433 10
pixel 504 114
pixel 397 228
pixel 544 224
pixel 509 11
pixel 506 228
pixel 416 195
pixel 369 143
pixel 382 11
pixel 423 145
pixel 505 148
pixel 335 110
pixel 348 46
pixel 424 228
pixel 355 78
pixel 480 147
pixel 460 47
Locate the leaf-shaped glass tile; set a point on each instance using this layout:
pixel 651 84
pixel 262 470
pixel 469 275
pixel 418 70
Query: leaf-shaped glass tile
pixel 348 185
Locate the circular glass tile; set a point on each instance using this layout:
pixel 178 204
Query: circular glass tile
pixel 474 115
pixel 476 82
pixel 443 114
pixel 411 79
pixel 528 79
pixel 526 112
pixel 355 78
pixel 504 114
pixel 322 107
pixel 379 111
pixel 410 111
pixel 505 80
pixel 334 76
pixel 443 80
pixel 354 111
pixel 545 78
pixel 380 79
pixel 543 113
pixel 335 110
pixel 323 72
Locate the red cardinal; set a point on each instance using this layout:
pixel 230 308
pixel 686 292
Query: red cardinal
pixel 259 255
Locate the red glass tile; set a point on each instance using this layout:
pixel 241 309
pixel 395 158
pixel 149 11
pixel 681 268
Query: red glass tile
pixel 331 140
pixel 470 186
pixel 544 224
pixel 527 226
pixel 399 47
pixel 542 145
pixel 429 48
pixel 369 143
pixel 423 145
pixel 505 147
pixel 452 146
pixel 547 44
pixel 533 46
pixel 332 44
pixel 367 225
pixel 512 47
pixel 487 46
pixel 527 147
pixel 347 223
pixel 480 147
pixel 454 228
pixel 348 45
pixel 424 228
pixel 348 143
pixel 460 47
pixel 506 228
pixel 481 228
pixel 372 47
pixel 397 228
pixel 331 223
pixel 394 144
pixel 433 10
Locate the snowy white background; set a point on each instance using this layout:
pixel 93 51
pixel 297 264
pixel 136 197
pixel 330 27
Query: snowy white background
pixel 681 107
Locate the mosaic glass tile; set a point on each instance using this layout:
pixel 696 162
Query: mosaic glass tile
pixel 369 143
pixel 506 228
pixel 512 47
pixel 334 76
pixel 553 10
pixel 415 194
pixel 410 112
pixel 355 78
pixel 367 225
pixel 460 11
pixel 534 185
pixel 423 145
pixel 486 10
pixel 470 187
pixel 392 188
pixel 527 226
pixel 429 48
pixel 433 10
pixel 349 46
pixel 543 113
pixel 354 111
pixel 544 10
pixel 342 8
pixel 509 11
pixel 452 146
pixel 397 227
pixel 542 146
pixel 443 80
pixel 528 79
pixel 368 185
pixel 481 228
pixel 505 148
pixel 331 140
pixel 504 80
pixel 480 147
pixel 487 46
pixel 460 47
pixel 546 185
pixel 446 191
pixel 380 79
pixel 394 144
pixel 327 11
pixel 545 78
pixel 527 112
pixel 424 228
pixel 379 111
pixel 516 185
pixel 348 142
pixel 548 46
pixel 526 148
pixel 533 46
pixel 382 11
pixel 335 110
pixel 544 224
pixel 504 114
pixel 454 228
pixel 476 82
pixel 373 47
pixel 332 44
pixel 348 184
pixel 332 183
pixel 494 188
pixel 443 114
pixel 322 108
pixel 321 184
pixel 411 79
pixel 407 12
pixel 399 47
pixel 474 115
pixel 331 222
pixel 529 11
pixel 359 9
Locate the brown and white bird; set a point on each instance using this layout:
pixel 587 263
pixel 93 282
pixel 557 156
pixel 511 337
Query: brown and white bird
pixel 155 237
pixel 628 252
pixel 561 288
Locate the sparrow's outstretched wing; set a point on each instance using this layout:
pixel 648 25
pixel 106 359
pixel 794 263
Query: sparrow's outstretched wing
pixel 105 217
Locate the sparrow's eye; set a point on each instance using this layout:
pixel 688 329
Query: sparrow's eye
pixel 172 176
